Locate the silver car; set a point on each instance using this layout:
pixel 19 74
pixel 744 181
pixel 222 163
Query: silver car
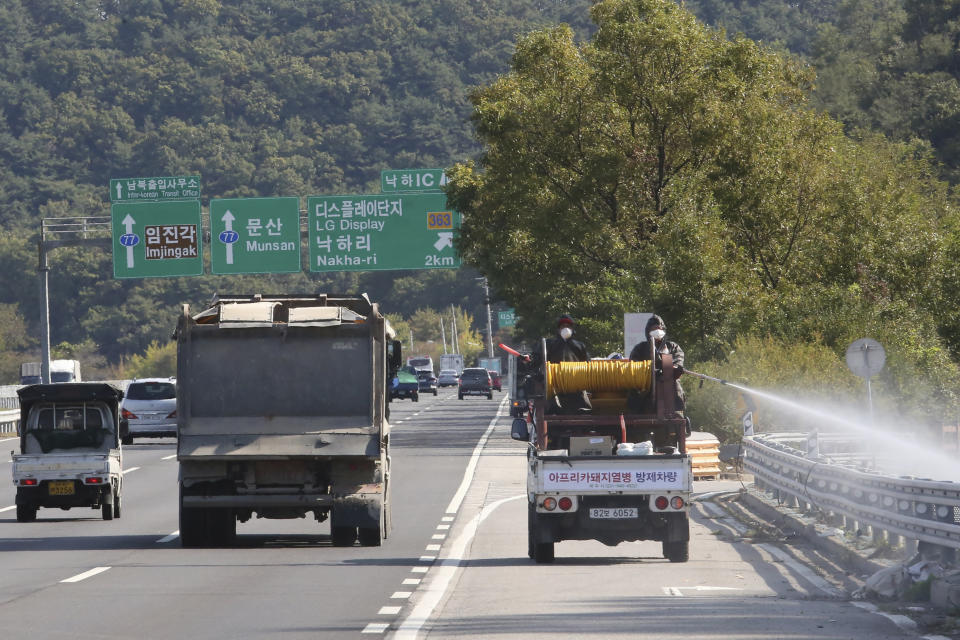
pixel 447 378
pixel 149 409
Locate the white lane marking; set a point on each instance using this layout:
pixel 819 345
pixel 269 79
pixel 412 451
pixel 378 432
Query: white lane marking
pixel 438 536
pixel 86 574
pixel 678 591
pixel 411 581
pixel 903 622
pixel 8 440
pixel 169 457
pixel 10 508
pixel 447 519
pixel 433 547
pixel 803 571
pixel 454 505
pixel 126 471
pixel 442 527
pixel 168 538
pixel 435 590
pixel 401 595
pixel 419 569
pixel 721 515
pixel 375 627
pixel 427 558
pixel 389 611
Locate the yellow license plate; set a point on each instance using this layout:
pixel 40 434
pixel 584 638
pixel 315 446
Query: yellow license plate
pixel 61 488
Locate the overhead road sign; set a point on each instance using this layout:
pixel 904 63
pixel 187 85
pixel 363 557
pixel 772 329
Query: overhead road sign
pixel 155 189
pixel 506 318
pixel 382 232
pixel 412 180
pixel 255 235
pixel 156 239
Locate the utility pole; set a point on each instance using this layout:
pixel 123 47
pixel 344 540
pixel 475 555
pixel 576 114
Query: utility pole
pixel 456 337
pixel 443 335
pixel 486 297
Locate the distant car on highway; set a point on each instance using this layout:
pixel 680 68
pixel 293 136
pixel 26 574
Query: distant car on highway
pixel 475 382
pixel 428 381
pixel 448 378
pixel 494 379
pixel 150 409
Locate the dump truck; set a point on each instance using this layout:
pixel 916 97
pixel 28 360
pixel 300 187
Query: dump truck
pixel 60 371
pixel 281 413
pixel 70 454
pixel 614 473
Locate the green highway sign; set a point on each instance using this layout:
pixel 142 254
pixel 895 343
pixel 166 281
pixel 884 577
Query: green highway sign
pixel 154 189
pixel 382 232
pixel 506 318
pixel 255 235
pixel 412 180
pixel 156 239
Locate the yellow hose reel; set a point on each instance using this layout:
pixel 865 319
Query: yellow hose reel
pixel 598 375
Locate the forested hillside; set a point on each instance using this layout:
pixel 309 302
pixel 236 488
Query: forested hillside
pixel 885 65
pixel 259 97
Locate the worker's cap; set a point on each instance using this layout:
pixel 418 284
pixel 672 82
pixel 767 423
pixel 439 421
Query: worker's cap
pixel 565 319
pixel 655 321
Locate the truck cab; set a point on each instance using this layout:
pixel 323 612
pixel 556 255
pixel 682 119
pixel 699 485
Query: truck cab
pixel 69 449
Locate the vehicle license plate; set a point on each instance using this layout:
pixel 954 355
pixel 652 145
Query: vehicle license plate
pixel 611 513
pixel 60 488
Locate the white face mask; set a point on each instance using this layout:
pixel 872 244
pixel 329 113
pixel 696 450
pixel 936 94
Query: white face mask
pixel 566 332
pixel 657 334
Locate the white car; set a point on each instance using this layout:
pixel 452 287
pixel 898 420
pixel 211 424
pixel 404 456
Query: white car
pixel 150 409
pixel 447 378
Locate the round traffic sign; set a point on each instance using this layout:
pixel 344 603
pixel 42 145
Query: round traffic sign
pixel 866 357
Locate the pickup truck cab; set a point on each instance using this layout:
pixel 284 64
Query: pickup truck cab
pixel 69 449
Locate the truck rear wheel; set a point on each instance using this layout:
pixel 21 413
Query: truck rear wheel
pixel 116 506
pixel 541 552
pixel 676 551
pixel 221 527
pixel 193 526
pixel 343 536
pixel 106 509
pixel 26 513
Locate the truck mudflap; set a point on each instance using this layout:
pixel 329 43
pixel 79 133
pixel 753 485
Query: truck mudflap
pixel 358 510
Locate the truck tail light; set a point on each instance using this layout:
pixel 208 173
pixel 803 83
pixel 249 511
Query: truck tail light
pixel 549 504
pixel 676 502
pixel 128 415
pixel 93 480
pixel 661 503
pixel 565 503
pixel 28 482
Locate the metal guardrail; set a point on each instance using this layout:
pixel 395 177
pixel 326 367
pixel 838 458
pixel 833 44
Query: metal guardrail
pixel 923 510
pixel 9 420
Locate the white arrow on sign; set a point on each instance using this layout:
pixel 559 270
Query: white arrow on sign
pixel 119 191
pixel 444 239
pixel 128 222
pixel 228 224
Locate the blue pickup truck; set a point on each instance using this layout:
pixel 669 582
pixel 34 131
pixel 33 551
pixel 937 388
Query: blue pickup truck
pixel 405 384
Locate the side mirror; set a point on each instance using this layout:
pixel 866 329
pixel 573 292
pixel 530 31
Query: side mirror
pixel 394 354
pixel 519 431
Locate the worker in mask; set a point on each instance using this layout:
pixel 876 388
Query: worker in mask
pixel 564 348
pixel 654 347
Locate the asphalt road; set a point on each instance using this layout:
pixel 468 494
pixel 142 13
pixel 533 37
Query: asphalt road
pixel 455 566
pixel 130 578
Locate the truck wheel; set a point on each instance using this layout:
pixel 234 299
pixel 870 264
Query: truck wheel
pixel 676 551
pixel 460 396
pixel 490 396
pixel 221 527
pixel 116 506
pixel 416 397
pixel 434 392
pixel 26 513
pixel 127 439
pixel 106 508
pixel 542 551
pixel 531 526
pixel 193 526
pixel 343 536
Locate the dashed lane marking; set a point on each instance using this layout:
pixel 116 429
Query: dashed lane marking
pixel 85 574
pixel 169 538
pixel 126 471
